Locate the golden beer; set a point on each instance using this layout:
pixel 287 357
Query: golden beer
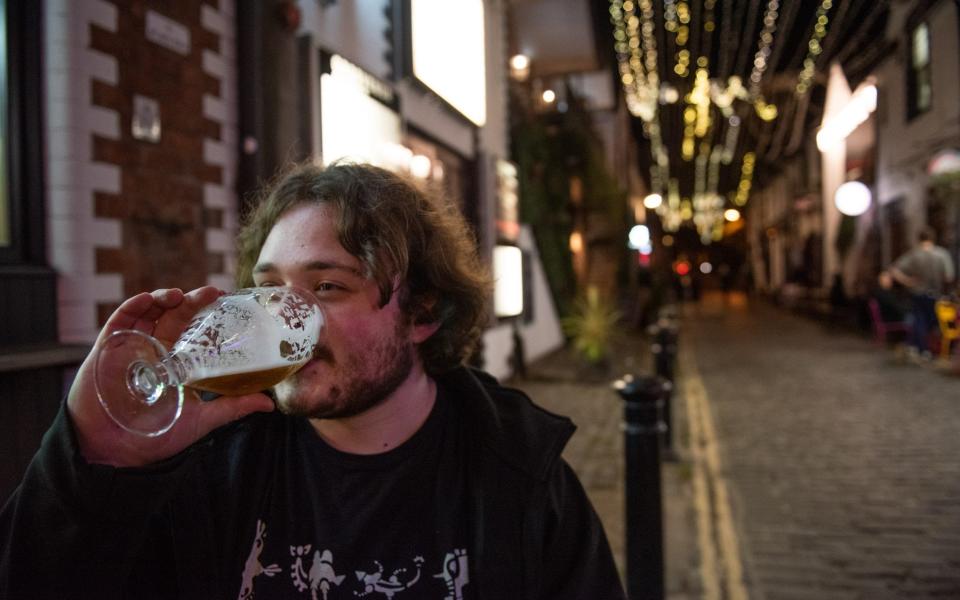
pixel 239 384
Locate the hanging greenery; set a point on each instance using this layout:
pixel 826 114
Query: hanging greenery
pixel 544 196
pixel 947 182
pixel 550 149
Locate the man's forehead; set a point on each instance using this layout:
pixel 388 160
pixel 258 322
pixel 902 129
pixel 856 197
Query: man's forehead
pixel 305 237
pixel 267 266
pixel 308 240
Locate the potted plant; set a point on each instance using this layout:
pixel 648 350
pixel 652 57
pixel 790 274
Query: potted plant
pixel 591 328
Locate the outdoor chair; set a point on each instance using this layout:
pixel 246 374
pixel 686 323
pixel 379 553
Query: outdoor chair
pixel 881 328
pixel 949 329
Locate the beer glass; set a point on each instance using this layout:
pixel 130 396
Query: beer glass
pixel 244 342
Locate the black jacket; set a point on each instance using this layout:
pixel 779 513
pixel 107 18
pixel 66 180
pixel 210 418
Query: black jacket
pixel 76 530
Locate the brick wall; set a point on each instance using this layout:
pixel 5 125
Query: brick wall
pixel 128 215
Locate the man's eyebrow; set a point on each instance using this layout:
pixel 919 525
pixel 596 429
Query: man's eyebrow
pixel 315 265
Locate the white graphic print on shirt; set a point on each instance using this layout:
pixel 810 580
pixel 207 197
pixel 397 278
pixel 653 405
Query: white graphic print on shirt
pixel 375 582
pixel 455 573
pixel 322 576
pixel 253 566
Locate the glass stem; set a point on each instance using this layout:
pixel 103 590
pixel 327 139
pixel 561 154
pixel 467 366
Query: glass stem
pixel 174 369
pixel 148 381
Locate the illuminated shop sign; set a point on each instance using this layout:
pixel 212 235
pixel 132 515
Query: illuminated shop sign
pixel 447 48
pixel 356 122
pixel 508 273
pixel 508 210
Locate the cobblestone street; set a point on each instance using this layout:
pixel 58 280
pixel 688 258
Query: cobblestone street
pixel 812 464
pixel 841 462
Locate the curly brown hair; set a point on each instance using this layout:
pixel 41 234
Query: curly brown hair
pixel 398 229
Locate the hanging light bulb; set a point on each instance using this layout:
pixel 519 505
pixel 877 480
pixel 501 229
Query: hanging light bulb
pixel 652 201
pixel 853 198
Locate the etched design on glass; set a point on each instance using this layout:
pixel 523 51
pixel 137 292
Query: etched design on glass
pixel 217 342
pixel 245 342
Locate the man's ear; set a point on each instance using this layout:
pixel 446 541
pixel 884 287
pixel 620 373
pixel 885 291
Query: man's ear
pixel 425 322
pixel 421 332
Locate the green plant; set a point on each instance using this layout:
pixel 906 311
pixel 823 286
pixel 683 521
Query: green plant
pixel 947 181
pixel 591 326
pixel 550 148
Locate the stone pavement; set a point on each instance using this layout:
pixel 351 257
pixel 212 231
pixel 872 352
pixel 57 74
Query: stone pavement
pixel 840 466
pixel 561 383
pixel 812 465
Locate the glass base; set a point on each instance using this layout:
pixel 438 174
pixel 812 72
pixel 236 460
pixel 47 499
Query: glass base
pixel 134 387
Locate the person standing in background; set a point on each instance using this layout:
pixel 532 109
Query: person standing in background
pixel 926 271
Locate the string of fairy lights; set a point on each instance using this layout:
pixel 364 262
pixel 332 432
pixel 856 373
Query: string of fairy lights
pixel 763 47
pixel 677 22
pixel 814 47
pixel 767 112
pixel 708 142
pixel 746 179
pixel 636 49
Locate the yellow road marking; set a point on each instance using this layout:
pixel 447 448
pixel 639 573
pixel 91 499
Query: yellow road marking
pixel 716 533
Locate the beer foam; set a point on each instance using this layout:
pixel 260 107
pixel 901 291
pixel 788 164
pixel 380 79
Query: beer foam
pixel 242 336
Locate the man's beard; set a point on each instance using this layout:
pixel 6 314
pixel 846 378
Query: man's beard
pixel 353 393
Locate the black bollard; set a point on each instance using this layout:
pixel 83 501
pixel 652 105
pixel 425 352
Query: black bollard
pixel 665 357
pixel 664 351
pixel 643 403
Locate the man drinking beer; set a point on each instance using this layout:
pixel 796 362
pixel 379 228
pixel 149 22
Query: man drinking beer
pixel 383 467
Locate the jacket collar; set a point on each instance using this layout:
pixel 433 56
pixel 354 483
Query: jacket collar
pixel 508 423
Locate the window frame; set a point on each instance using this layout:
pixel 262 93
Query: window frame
pixel 914 73
pixel 24 140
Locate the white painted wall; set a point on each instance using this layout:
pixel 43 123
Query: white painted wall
pixel 222 65
pixel 351 28
pixel 355 30
pixel 72 177
pixel 541 336
pixel 495 136
pixel 905 147
pixel 833 169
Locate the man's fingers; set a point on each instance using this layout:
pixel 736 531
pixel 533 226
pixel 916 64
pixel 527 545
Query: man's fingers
pixel 128 313
pixel 171 323
pixel 164 313
pixel 141 311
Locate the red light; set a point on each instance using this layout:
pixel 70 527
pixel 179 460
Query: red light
pixel 682 268
pixel 643 260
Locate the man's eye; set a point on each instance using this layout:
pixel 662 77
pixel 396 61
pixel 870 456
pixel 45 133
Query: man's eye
pixel 326 286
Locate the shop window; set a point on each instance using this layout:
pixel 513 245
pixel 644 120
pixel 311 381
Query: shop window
pixel 27 284
pixel 919 80
pixel 21 150
pixel 4 134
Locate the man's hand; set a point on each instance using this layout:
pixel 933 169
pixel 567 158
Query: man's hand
pixel 164 314
pixel 903 279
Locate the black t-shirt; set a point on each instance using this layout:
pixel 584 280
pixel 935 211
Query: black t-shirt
pixel 253 502
pixel 391 525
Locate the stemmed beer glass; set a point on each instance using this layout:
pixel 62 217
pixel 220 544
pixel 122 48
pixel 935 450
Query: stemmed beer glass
pixel 244 342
